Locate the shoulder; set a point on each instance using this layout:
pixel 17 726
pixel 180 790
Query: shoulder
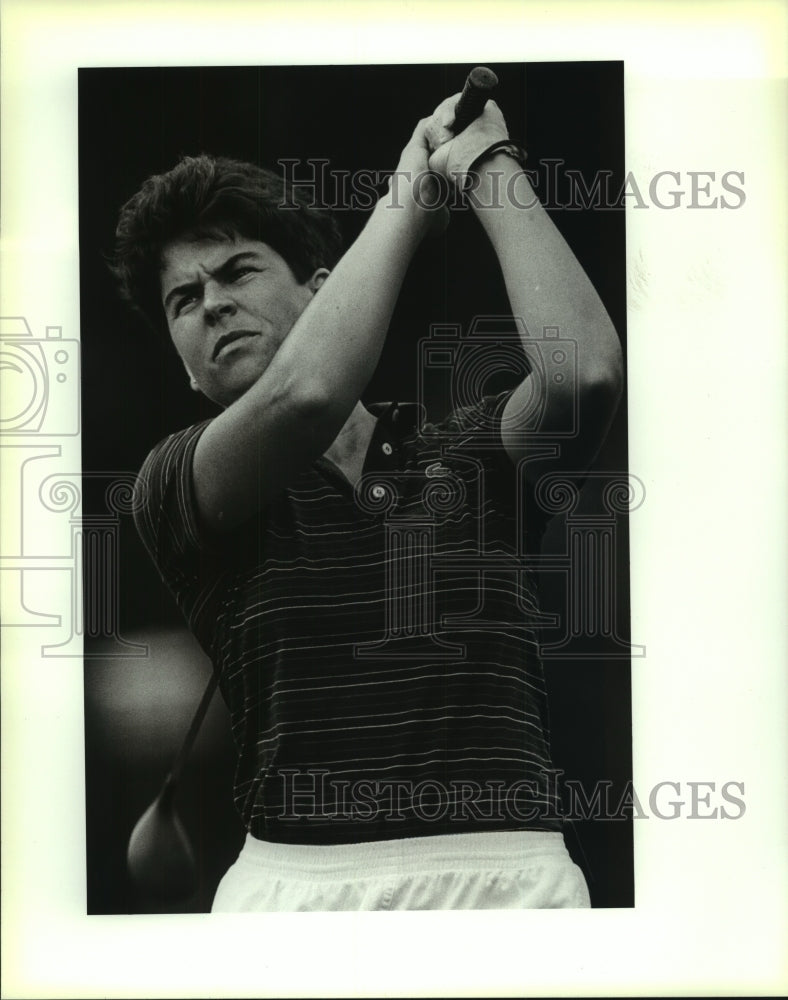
pixel 473 427
pixel 164 490
pixel 468 442
pixel 171 451
pixel 481 417
pixel 471 437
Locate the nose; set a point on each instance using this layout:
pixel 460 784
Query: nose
pixel 217 301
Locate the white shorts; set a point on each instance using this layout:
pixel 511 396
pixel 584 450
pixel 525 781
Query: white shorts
pixel 469 871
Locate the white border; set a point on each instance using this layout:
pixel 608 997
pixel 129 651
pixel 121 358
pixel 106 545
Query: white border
pixel 705 90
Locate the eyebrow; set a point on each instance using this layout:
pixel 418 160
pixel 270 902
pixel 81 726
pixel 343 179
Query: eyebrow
pixel 221 269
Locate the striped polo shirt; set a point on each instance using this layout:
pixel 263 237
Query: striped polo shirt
pixel 376 645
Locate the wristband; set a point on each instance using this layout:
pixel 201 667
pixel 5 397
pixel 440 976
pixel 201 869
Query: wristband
pixel 505 146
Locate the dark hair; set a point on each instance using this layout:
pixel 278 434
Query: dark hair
pixel 215 197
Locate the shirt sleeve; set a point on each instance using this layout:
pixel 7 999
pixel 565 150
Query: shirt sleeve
pixel 165 509
pixel 167 520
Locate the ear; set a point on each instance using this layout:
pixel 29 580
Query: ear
pixel 318 278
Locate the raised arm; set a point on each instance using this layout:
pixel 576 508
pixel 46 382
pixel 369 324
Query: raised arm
pixel 300 402
pixel 546 286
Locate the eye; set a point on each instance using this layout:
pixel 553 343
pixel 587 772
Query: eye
pixel 184 302
pixel 241 271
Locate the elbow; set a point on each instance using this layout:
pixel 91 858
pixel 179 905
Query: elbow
pixel 609 382
pixel 603 385
pixel 309 398
pixel 317 411
pixel 604 374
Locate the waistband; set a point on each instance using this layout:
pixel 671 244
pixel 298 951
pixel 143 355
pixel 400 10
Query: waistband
pixel 509 850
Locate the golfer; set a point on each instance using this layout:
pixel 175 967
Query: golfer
pixel 348 568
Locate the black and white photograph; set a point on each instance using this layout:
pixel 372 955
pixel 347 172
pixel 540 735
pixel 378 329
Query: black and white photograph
pixel 393 679
pixel 374 409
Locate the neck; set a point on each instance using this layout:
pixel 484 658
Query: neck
pixel 349 448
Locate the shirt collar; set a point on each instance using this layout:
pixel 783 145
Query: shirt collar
pixel 401 418
pixel 394 422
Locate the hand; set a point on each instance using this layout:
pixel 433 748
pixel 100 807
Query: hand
pixel 453 155
pixel 414 183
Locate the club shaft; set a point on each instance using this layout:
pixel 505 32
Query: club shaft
pixel 194 728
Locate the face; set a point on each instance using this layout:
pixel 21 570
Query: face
pixel 229 305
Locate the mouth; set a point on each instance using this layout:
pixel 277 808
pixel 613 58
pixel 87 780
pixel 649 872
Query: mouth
pixel 232 337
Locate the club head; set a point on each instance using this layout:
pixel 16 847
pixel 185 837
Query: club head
pixel 159 857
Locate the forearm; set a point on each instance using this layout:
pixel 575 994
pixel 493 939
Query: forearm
pixel 293 412
pixel 545 283
pixel 333 349
pixel 546 286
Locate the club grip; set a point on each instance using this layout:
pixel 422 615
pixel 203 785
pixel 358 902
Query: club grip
pixel 477 90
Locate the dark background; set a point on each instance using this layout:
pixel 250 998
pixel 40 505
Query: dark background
pixel 136 122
